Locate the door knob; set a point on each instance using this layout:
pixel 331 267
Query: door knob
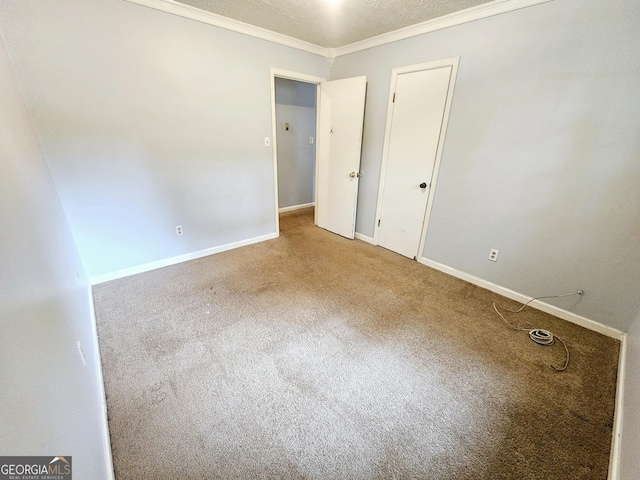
pixel 423 185
pixel 353 174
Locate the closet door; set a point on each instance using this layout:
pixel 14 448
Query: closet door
pixel 417 117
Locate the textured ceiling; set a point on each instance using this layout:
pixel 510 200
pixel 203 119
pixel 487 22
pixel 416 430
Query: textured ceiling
pixel 332 23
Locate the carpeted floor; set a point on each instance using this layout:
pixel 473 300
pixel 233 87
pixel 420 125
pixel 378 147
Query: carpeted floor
pixel 316 357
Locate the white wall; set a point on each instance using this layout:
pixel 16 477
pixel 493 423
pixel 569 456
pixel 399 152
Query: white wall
pixel 295 105
pixel 629 458
pixel 541 154
pixel 149 121
pixel 50 403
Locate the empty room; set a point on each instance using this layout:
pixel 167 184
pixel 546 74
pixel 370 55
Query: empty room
pixel 330 239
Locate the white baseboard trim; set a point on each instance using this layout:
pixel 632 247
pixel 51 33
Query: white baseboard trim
pixel 519 297
pixel 614 456
pixel 296 207
pixel 179 259
pixel 365 238
pixel 101 391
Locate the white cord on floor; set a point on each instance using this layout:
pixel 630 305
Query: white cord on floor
pixel 538 335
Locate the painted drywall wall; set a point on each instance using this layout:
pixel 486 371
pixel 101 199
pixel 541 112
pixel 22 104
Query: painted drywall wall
pixel 51 403
pixel 295 105
pixel 149 121
pixel 629 459
pixel 541 155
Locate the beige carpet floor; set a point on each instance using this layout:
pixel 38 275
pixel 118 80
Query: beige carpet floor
pixel 316 357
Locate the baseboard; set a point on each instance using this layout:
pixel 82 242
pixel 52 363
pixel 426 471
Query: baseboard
pixel 614 456
pixel 365 238
pixel 296 207
pixel 519 297
pixel 179 259
pixel 101 391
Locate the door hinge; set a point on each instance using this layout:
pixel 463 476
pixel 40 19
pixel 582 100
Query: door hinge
pixel 394 98
pixel 378 222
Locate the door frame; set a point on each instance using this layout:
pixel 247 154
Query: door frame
pixel 452 62
pixel 299 77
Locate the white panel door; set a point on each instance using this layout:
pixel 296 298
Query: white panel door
pixel 418 113
pixel 339 148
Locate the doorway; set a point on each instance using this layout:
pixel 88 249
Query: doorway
pixel 296 113
pixel 303 82
pixel 339 125
pixel 419 103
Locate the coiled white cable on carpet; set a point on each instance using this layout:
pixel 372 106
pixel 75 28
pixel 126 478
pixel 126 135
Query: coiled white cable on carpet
pixel 538 335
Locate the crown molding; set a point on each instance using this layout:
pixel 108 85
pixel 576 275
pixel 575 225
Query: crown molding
pixel 193 13
pixel 490 9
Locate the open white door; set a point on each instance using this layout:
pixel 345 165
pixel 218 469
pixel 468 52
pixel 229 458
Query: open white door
pixel 339 147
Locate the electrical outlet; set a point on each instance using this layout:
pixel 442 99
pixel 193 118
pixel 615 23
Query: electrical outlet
pixel 179 230
pixel 493 255
pixel 267 142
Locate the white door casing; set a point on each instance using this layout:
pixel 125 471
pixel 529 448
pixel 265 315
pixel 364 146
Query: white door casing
pixel 341 112
pixel 300 77
pixel 414 138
